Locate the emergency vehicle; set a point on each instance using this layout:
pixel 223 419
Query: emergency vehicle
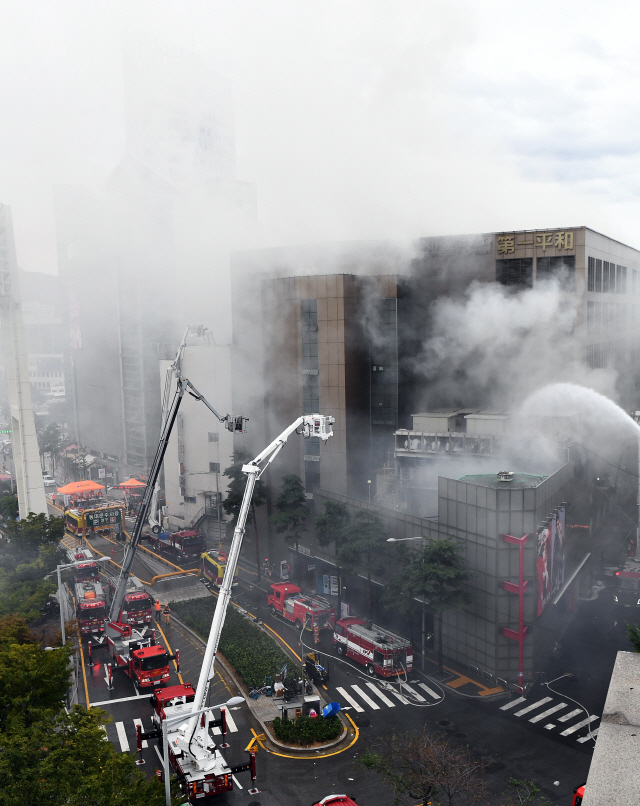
pixel 140 658
pixel 336 800
pixel 185 545
pixel 379 650
pixel 137 604
pixel 578 795
pixel 287 600
pixel 627 585
pixel 212 565
pixel 90 593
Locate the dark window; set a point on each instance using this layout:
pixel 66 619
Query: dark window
pixel 562 267
pixel 515 272
pixel 311 476
pixel 277 594
pixel 153 663
pixel 214 467
pixel 606 280
pixel 190 499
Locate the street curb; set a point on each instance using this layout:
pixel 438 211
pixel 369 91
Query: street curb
pixel 295 748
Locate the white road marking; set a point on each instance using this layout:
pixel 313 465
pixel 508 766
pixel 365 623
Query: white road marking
pixel 413 692
pixel 550 726
pixel 137 722
pixel 231 725
pixel 120 699
pixel 511 704
pixel 236 782
pixel 591 735
pixel 533 707
pixel 155 747
pixel 122 737
pixel 366 698
pixel 548 712
pixel 350 700
pixel 570 715
pixel 430 691
pixel 378 693
pixel 399 696
pixel 578 725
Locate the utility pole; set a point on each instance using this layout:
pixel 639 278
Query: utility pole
pixel 636 418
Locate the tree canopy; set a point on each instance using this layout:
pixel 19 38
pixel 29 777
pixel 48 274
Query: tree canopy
pixel 363 548
pixel 331 525
pixel 237 484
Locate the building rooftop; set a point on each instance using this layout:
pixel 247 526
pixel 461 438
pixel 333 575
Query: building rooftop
pixel 519 480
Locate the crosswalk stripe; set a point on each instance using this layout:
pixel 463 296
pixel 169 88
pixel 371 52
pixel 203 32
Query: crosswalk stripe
pixel 378 693
pixel 548 712
pixel 137 722
pixel 513 703
pixel 570 715
pixel 550 726
pixel 429 691
pixel 350 700
pixel 578 725
pixel 366 698
pixel 591 735
pixel 122 737
pixel 231 725
pixel 412 691
pixel 533 707
pixel 399 696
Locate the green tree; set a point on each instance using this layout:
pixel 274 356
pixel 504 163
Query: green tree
pixel 436 574
pixel 50 441
pixel 66 758
pixel 237 484
pixel 364 549
pixel 30 534
pixel 330 526
pixel 293 511
pixel 633 634
pixel 9 506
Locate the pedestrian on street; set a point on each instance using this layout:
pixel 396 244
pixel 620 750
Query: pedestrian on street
pixel 166 611
pixel 157 607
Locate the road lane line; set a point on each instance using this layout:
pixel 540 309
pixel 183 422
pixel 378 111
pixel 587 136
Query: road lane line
pixel 578 725
pixel 378 693
pixel 429 691
pixel 137 722
pixel 569 716
pixel 366 698
pixel 350 700
pixel 591 735
pixel 413 692
pixel 548 712
pixel 122 737
pixel 535 705
pixel 120 699
pixel 231 725
pixel 236 782
pixel 511 704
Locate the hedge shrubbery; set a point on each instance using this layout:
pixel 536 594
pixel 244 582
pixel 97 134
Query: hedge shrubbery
pixel 253 654
pixel 305 730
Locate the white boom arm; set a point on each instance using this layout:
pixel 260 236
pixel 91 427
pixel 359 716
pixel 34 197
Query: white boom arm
pixel 313 425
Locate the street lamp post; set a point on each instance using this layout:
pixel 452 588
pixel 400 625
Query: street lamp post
pixel 61 598
pixel 424 603
pixel 176 720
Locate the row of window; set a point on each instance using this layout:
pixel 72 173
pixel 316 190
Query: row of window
pixel 600 356
pixel 37 374
pixel 605 317
pixel 518 272
pixel 608 278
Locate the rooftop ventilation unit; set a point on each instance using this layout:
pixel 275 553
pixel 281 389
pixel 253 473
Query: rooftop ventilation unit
pixel 505 475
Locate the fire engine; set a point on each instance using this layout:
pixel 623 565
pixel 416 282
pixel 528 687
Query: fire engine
pixel 578 795
pixel 379 650
pixel 288 601
pixel 627 585
pixel 193 756
pixel 185 545
pixel 212 565
pixel 90 594
pixel 140 658
pixel 336 800
pixel 137 605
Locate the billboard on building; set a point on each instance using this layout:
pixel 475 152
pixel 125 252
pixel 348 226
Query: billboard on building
pixel 550 558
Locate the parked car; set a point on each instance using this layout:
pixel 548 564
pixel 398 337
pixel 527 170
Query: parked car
pixel 49 481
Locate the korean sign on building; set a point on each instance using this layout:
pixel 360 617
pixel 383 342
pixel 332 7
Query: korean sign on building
pixel 104 518
pixel 508 243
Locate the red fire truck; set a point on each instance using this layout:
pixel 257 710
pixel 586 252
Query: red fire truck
pixel 137 603
pixel 90 593
pixel 336 800
pixel 141 658
pixel 578 795
pixel 379 650
pixel 185 545
pixel 288 601
pixel 212 567
pixel 627 585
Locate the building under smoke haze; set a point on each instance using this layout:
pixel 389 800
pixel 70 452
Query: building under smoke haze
pixel 148 253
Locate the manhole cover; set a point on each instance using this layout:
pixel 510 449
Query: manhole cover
pixel 444 723
pixel 461 735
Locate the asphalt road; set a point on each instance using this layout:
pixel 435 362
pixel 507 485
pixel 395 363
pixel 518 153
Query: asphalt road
pixel 548 737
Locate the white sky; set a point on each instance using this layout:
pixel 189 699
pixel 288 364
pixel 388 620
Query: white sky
pixel 355 119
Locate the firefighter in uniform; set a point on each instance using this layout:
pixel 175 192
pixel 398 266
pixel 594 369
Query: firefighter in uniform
pixel 166 611
pixel 157 606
